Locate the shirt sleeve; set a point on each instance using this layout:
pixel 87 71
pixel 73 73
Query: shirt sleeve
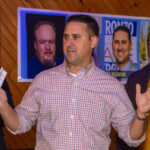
pixel 122 115
pixel 28 109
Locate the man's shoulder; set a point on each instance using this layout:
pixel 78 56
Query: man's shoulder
pixel 33 62
pixel 146 68
pixel 59 60
pixel 103 75
pixel 131 66
pixel 34 67
pixel 142 73
pixel 143 70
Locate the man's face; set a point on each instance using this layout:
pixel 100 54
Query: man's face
pixel 45 46
pixel 121 47
pixel 78 45
pixel 148 45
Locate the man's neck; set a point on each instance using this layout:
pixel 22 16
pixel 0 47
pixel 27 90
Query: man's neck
pixel 74 69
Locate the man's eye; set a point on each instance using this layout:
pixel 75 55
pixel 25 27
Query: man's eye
pixel 76 37
pixel 65 37
pixel 51 41
pixel 124 42
pixel 116 42
pixel 42 42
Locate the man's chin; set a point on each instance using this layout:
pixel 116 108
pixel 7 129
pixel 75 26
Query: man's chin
pixel 120 60
pixel 49 64
pixel 121 63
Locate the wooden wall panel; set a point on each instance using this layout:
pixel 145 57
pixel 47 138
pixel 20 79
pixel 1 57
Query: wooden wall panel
pixel 8 42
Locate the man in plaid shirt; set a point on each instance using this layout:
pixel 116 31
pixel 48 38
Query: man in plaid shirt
pixel 75 103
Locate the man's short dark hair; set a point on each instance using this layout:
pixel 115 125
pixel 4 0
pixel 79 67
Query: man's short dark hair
pixel 91 23
pixel 43 23
pixel 125 29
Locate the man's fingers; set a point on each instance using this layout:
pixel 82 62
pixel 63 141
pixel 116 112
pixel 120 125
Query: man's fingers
pixel 138 89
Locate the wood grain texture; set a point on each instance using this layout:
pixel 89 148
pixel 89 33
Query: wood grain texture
pixel 8 43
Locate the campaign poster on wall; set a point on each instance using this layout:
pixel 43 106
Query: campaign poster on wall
pixel 104 53
pixel 40 36
pixel 120 60
pixel 30 61
pixel 144 42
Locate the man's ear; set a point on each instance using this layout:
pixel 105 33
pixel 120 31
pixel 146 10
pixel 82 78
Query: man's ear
pixel 94 40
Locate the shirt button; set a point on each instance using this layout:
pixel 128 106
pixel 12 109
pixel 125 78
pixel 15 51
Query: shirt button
pixel 73 100
pixel 70 134
pixel 75 82
pixel 72 116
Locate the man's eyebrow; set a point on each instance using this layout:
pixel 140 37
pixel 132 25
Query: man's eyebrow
pixel 65 34
pixel 116 40
pixel 120 40
pixel 74 34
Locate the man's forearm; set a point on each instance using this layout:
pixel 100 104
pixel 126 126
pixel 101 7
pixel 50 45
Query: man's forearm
pixel 9 117
pixel 138 126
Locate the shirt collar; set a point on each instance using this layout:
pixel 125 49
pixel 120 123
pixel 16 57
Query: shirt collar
pixel 126 67
pixel 84 69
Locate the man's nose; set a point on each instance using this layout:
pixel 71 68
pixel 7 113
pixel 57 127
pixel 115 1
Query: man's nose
pixel 119 46
pixel 47 45
pixel 69 42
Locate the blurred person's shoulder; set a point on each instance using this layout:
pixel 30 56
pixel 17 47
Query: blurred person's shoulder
pixel 141 74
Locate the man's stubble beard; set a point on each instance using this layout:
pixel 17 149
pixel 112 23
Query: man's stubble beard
pixel 49 63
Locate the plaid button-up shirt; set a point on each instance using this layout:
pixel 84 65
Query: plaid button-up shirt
pixel 75 113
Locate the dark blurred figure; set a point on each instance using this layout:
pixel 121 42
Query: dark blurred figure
pixel 142 77
pixel 5 87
